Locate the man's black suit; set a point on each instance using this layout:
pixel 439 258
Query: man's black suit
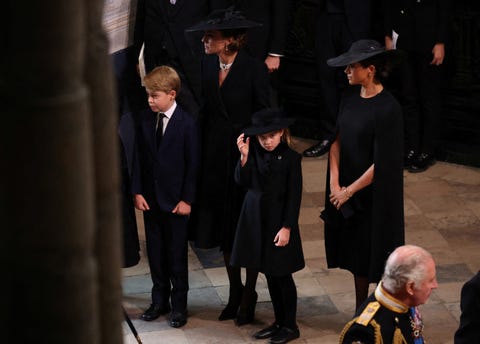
pixel 270 38
pixel 339 23
pixel 275 17
pixel 469 330
pixel 420 24
pixel 165 176
pixel 161 25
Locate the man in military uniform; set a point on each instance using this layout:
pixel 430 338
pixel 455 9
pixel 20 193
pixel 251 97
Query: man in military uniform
pixel 390 314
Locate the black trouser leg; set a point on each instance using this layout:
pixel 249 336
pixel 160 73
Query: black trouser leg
pixel 178 261
pixel 166 236
pixel 430 99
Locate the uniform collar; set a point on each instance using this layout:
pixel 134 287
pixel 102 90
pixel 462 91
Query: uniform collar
pixel 388 301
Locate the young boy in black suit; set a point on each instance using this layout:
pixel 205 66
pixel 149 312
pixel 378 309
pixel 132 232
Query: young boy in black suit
pixel 163 184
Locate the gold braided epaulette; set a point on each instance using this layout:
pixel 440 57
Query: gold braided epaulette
pixel 368 313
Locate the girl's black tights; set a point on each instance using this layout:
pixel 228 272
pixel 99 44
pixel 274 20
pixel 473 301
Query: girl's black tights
pixel 283 294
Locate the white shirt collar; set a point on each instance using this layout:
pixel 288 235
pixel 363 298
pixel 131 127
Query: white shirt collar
pixel 170 111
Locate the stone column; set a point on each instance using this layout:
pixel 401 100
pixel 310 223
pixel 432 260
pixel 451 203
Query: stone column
pixel 104 114
pixel 58 208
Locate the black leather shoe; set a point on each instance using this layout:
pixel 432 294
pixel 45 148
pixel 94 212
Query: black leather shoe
pixel 317 150
pixel 177 319
pixel 154 312
pixel 422 163
pixel 285 335
pixel 267 332
pixel 409 159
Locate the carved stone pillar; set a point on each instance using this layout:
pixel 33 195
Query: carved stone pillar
pixel 58 208
pixel 104 115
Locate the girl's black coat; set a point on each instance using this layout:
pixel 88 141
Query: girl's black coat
pixel 274 182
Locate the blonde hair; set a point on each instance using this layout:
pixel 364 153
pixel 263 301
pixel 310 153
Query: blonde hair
pixel 162 78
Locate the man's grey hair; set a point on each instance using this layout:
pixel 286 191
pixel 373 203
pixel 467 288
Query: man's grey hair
pixel 405 264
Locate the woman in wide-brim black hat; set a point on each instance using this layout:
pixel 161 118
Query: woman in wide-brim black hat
pixel 364 190
pixel 234 85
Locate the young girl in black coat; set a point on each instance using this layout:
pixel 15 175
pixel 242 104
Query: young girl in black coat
pixel 267 236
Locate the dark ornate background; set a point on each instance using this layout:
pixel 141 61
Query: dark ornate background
pixel 460 125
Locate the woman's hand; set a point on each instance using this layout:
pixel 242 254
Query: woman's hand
pixel 339 196
pixel 283 237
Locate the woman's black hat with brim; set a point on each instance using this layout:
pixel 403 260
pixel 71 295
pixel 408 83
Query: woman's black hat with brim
pixel 268 120
pixel 359 51
pixel 224 19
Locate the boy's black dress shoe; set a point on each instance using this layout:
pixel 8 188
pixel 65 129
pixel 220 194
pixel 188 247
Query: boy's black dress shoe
pixel 422 163
pixel 285 335
pixel 317 149
pixel 177 319
pixel 267 332
pixel 154 311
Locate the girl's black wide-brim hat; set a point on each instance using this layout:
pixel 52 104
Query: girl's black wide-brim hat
pixel 224 19
pixel 268 120
pixel 359 51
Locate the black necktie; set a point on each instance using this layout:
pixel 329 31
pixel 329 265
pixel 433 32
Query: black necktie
pixel 159 129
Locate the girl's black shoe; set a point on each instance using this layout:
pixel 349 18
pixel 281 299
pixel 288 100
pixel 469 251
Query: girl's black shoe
pixel 267 332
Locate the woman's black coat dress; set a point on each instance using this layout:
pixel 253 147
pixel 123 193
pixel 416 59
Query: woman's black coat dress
pixel 274 182
pixel 370 225
pixel 227 110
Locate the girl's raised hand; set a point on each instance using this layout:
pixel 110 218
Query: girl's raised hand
pixel 243 145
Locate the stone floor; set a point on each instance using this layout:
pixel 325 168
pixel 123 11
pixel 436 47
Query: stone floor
pixel 442 214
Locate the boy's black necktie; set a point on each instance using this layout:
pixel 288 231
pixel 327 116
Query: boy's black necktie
pixel 159 129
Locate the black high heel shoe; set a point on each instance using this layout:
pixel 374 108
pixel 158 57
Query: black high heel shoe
pixel 231 310
pixel 246 311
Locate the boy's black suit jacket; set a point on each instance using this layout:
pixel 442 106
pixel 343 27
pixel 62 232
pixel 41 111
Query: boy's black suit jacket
pixel 168 174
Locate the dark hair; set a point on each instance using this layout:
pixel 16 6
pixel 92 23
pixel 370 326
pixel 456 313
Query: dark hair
pixel 383 67
pixel 239 37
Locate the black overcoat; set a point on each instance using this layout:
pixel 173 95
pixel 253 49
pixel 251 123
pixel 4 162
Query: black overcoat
pixel 131 244
pixel 469 329
pixel 227 110
pixel 274 182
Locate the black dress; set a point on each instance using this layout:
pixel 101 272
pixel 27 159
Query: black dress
pixel 274 182
pixel 360 236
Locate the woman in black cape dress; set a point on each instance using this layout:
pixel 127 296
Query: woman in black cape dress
pixel 364 220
